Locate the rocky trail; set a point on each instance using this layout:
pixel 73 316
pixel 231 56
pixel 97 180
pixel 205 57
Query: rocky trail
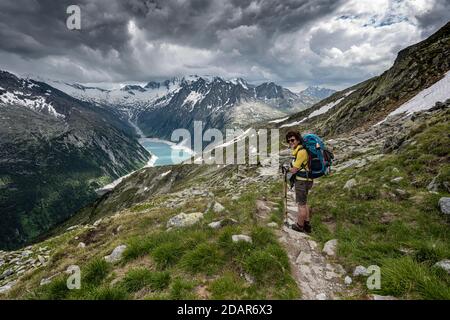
pixel 317 276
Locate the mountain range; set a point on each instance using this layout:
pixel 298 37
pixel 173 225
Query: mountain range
pixel 158 108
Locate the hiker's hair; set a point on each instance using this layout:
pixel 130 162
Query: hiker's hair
pixel 294 134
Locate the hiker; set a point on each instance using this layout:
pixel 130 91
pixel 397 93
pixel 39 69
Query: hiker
pixel 302 184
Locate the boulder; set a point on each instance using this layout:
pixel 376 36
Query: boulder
pixel 444 205
pixel 350 184
pixel 81 245
pixel 48 280
pixel 241 237
pixel 321 296
pixel 330 247
pixel 218 208
pixel 184 220
pixel 397 180
pixel 348 281
pixel 272 225
pixel 215 224
pixel 360 271
pixel 116 255
pixel 444 264
pixel 7 287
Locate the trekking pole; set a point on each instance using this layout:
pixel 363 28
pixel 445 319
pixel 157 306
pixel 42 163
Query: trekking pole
pixel 285 186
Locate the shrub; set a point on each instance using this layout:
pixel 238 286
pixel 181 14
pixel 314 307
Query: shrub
pixel 167 254
pixel 137 279
pixel 95 272
pixel 267 265
pixel 205 257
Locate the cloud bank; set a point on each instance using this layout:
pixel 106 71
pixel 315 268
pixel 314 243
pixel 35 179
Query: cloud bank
pixel 295 42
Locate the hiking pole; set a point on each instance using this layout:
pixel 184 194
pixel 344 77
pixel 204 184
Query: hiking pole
pixel 285 170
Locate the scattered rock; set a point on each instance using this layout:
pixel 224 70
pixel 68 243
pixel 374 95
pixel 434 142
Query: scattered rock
pixel 97 223
pixel 241 237
pixel 350 184
pixel 360 271
pixel 218 208
pixel 330 247
pixel 48 280
pixel 272 225
pixel 262 207
pixel 41 259
pixel 444 205
pixel 26 253
pixel 249 278
pixel 348 281
pixel 443 264
pixel 378 297
pixel 184 220
pixel 81 245
pixel 7 273
pixel 215 224
pixel 7 287
pixel 321 296
pixel 397 180
pixel 116 255
pixel 434 185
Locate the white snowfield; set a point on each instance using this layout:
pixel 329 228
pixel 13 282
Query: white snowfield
pixel 38 104
pixel 317 112
pixel 325 108
pixel 279 120
pixel 425 99
pixel 293 123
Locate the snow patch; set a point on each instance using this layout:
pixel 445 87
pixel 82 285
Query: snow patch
pixel 425 99
pixel 39 104
pixel 165 173
pixel 324 108
pixel 293 123
pixel 278 120
pixel 193 98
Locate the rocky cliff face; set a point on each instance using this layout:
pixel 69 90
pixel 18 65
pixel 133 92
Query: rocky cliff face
pixel 54 150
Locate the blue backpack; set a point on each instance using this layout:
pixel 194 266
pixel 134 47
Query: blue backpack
pixel 319 158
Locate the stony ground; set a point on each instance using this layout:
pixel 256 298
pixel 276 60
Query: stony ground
pixel 314 270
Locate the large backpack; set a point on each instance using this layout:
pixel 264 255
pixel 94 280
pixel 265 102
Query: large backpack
pixel 319 158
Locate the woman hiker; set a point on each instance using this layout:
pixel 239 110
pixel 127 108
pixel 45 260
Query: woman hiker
pixel 302 185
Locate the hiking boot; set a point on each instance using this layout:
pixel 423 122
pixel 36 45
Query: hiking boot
pixel 297 227
pixel 307 227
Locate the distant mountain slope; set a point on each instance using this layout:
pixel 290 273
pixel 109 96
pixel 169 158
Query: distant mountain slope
pixel 415 69
pixel 54 150
pixel 160 107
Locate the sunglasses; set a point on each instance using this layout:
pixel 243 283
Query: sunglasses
pixel 291 140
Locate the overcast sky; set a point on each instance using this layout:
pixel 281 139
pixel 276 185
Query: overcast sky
pixel 295 43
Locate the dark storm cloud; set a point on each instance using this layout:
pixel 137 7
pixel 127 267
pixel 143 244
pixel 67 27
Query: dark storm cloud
pixel 199 22
pixel 435 18
pixel 292 41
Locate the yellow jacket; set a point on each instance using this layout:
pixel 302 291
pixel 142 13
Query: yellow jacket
pixel 300 161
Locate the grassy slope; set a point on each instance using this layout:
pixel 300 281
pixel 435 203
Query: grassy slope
pixel 376 223
pixel 195 262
